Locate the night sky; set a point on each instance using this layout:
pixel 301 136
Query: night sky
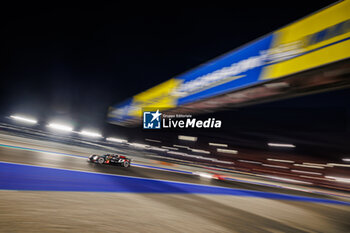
pixel 72 63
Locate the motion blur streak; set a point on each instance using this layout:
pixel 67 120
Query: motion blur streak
pixel 281 145
pixel 338 165
pixel 152 140
pixel 306 172
pixel 180 146
pixel 60 127
pixel 340 179
pixel 170 148
pixel 248 161
pixel 187 138
pixel 116 140
pixel 200 151
pixel 24 119
pixel 275 166
pixel 217 144
pixel 227 151
pixel 309 166
pixel 280 160
pixel 91 134
pixel 139 145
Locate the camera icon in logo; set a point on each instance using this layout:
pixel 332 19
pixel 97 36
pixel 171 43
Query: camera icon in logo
pixel 152 120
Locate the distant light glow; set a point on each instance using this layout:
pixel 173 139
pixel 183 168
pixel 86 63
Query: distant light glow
pixel 227 151
pixel 309 166
pixel 339 179
pixel 200 151
pixel 274 166
pixel 222 161
pixel 338 165
pixel 248 161
pixel 316 164
pixel 217 144
pixel 152 140
pixel 60 127
pixel 119 140
pixel 198 157
pixel 281 145
pixel 313 177
pixel 307 172
pixel 187 138
pixel 346 159
pixel 280 160
pixel 192 156
pixel 206 158
pixel 139 145
pixel 175 153
pixel 180 146
pixel 170 148
pixel 158 149
pixel 90 134
pixel 24 119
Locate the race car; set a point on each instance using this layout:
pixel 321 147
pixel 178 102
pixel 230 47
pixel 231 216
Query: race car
pixel 112 159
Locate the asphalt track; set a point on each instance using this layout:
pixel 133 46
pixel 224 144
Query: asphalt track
pixel 33 182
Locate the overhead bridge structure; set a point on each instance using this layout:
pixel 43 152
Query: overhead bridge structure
pixel 307 56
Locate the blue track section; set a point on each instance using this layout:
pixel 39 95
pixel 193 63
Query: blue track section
pixel 27 177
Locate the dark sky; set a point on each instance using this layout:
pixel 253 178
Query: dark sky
pixel 72 63
pixel 75 62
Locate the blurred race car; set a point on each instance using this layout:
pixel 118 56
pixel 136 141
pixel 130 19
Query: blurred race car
pixel 113 159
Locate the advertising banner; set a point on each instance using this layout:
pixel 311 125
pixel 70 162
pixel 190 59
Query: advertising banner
pixel 315 41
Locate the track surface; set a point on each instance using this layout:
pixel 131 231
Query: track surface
pixel 141 211
pixel 78 163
